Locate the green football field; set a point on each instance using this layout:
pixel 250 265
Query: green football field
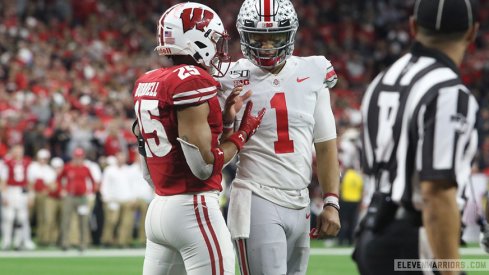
pixel 133 265
pixel 322 261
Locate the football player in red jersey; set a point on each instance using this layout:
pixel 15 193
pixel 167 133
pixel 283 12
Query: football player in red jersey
pixel 180 122
pixel 15 200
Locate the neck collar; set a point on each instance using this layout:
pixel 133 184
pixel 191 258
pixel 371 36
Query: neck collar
pixel 419 49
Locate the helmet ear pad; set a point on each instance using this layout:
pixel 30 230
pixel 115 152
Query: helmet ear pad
pixel 255 19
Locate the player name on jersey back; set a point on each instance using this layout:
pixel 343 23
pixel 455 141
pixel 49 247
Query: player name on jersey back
pixel 146 89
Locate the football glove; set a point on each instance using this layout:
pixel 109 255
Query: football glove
pixel 248 126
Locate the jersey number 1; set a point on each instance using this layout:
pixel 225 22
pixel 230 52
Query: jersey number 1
pixel 283 144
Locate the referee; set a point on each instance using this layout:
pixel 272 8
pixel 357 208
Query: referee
pixel 419 140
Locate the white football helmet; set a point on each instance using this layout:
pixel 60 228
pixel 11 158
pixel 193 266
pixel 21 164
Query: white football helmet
pixel 267 21
pixel 196 30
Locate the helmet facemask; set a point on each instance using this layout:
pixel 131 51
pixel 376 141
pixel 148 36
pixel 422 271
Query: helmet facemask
pixel 219 64
pixel 267 48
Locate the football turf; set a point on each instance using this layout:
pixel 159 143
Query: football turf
pixel 323 261
pixel 319 265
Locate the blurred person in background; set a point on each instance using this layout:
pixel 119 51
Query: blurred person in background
pixel 351 191
pixel 419 140
pixel 73 179
pixel 42 178
pixel 96 173
pixel 81 133
pixel 14 186
pixel 269 210
pixel 118 198
pixel 60 136
pixel 54 206
pixel 351 186
pixel 179 123
pixel 143 194
pixel 114 141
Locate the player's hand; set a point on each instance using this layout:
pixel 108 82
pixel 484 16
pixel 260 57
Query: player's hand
pixel 328 224
pixel 250 123
pixel 234 103
pixel 247 128
pixel 484 240
pixel 331 78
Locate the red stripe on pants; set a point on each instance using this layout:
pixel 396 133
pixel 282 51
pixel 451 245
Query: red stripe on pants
pixel 207 242
pixel 213 234
pixel 242 257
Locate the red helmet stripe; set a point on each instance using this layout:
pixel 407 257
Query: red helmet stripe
pixel 266 10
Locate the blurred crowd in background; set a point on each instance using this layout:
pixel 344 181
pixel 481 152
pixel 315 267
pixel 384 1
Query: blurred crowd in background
pixel 67 70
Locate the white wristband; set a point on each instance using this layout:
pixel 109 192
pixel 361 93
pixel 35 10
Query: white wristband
pixel 331 199
pixel 228 125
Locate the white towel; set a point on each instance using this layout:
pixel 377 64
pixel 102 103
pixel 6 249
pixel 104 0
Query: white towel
pixel 239 211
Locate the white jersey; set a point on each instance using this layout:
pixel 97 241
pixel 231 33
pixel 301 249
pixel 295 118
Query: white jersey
pixel 276 162
pixel 44 172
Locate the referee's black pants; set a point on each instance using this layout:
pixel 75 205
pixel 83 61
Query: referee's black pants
pixel 375 252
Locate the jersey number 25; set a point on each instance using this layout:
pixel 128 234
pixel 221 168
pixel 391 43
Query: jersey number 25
pixel 157 144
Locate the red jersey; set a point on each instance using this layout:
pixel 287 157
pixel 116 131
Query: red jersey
pixel 74 178
pixel 112 145
pixel 17 172
pixel 157 96
pixel 56 194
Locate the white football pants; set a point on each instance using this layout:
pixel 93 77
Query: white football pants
pixel 279 240
pixel 187 234
pixel 15 210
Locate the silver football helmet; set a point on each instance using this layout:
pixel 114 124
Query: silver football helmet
pixel 267 30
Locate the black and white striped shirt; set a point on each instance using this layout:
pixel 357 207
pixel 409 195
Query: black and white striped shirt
pixel 419 124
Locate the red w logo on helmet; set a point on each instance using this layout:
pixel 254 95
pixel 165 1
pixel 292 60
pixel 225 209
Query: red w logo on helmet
pixel 199 19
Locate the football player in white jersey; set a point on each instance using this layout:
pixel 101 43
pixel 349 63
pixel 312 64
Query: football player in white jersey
pixel 269 205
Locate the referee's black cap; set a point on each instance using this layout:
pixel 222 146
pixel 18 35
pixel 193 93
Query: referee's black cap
pixel 446 16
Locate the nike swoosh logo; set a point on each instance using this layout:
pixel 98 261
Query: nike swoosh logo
pixel 299 80
pixel 308 215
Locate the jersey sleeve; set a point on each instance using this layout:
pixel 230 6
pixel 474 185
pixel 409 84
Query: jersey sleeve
pixel 324 123
pixel 327 71
pixel 447 138
pixel 195 91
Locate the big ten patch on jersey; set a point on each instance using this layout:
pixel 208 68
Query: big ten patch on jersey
pixel 146 89
pixel 240 77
